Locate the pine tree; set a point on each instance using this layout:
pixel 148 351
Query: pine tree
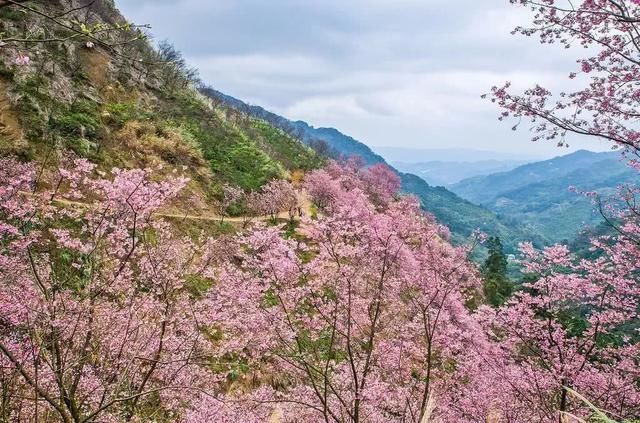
pixel 497 286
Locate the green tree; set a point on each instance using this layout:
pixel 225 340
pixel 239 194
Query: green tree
pixel 497 286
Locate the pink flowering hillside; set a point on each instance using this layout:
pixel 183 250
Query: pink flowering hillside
pixel 364 313
pixel 169 257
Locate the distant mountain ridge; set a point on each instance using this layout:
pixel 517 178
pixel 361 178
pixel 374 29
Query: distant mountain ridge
pixel 461 216
pixel 415 155
pixel 537 194
pixel 483 189
pixel 344 144
pixel 445 173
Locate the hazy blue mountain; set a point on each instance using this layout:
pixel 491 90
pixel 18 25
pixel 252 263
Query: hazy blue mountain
pixel 538 195
pixel 445 173
pixel 342 143
pixel 416 155
pixel 485 189
pixel 461 216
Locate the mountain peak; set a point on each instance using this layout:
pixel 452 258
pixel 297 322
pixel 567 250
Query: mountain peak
pixel 588 153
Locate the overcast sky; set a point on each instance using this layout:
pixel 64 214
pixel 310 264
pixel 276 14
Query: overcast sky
pixel 405 73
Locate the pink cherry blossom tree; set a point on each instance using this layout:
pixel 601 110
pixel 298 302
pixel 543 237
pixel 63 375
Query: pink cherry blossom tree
pixel 275 197
pixel 322 188
pixel 99 317
pixel 363 321
pixel 230 196
pixel 382 183
pixel 575 324
pixel 325 186
pixel 566 329
pixel 606 106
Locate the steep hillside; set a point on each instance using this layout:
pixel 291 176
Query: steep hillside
pixel 538 194
pixel 461 216
pixel 98 90
pixel 106 95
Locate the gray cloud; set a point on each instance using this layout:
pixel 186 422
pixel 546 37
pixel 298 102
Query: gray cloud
pixel 402 72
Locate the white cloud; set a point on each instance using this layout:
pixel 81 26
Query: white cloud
pixel 431 96
pixel 399 72
pixel 261 64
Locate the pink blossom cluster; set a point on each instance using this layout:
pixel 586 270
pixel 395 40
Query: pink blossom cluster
pixel 96 316
pixel 231 196
pixel 274 197
pixel 22 60
pixel 607 105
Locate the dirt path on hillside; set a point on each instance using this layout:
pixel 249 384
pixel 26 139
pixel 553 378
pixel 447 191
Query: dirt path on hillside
pixel 9 123
pixel 303 203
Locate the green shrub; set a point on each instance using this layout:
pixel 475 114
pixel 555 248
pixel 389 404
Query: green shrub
pixel 12 14
pixel 198 285
pixel 82 147
pixel 120 113
pixel 81 119
pixel 231 154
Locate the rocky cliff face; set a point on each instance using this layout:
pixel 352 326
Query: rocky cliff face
pixel 60 55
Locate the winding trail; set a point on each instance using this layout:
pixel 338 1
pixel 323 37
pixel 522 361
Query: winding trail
pixel 303 203
pixel 9 124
